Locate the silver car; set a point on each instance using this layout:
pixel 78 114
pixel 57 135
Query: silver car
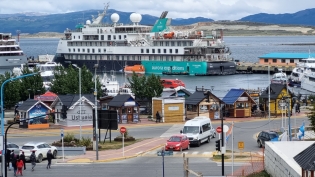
pixel 12 146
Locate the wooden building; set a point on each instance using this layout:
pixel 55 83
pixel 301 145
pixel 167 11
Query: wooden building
pixel 171 109
pixel 283 59
pixel 203 103
pixel 306 160
pixel 278 92
pixel 238 103
pixel 128 108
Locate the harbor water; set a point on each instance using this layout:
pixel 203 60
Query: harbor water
pixel 247 49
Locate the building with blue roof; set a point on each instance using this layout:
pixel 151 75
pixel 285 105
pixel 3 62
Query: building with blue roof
pixel 283 59
pixel 238 103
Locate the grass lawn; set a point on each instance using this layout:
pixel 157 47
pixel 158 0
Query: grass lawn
pixel 116 144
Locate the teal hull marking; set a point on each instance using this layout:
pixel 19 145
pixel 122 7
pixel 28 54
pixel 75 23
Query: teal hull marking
pixel 157 67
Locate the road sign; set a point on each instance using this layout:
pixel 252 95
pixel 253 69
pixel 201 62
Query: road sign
pixel 219 129
pixel 164 153
pixel 123 129
pixel 240 145
pixel 61 132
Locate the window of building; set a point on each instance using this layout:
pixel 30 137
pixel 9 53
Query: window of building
pixel 93 50
pixel 184 43
pixel 119 37
pixel 69 50
pixel 159 50
pixel 172 43
pixel 266 60
pixel 274 60
pixel 291 60
pixel 142 51
pixel 167 43
pixel 83 50
pixel 109 37
pixel 114 37
pixel 73 50
pixel 102 37
pixel 148 50
pixel 153 50
pixel 282 60
pixel 171 50
pixel 161 43
pixel 176 50
pixel 78 50
pixel 88 50
pixel 164 50
pixel 179 43
pixel 104 50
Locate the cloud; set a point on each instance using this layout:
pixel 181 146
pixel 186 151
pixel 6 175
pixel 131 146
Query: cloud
pixel 215 9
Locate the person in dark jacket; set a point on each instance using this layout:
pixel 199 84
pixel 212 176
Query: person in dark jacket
pixel 8 158
pixel 49 157
pixel 22 157
pixel 33 160
pixel 14 160
pixel 158 117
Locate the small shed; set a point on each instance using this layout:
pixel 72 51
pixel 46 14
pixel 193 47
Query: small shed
pixel 203 103
pixel 306 160
pixel 171 109
pixel 277 94
pixel 72 102
pixel 176 93
pixel 128 108
pixel 33 109
pixel 238 103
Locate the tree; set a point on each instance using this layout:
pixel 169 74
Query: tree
pixel 146 87
pixel 31 86
pixel 67 81
pixel 311 116
pixel 11 90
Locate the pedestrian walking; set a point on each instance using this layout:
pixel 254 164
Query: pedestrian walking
pixel 22 157
pixel 49 157
pixel 298 107
pixel 33 160
pixel 8 159
pixel 14 160
pixel 158 117
pixel 19 165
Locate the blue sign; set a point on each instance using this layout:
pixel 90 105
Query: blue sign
pixel 38 110
pixel 164 153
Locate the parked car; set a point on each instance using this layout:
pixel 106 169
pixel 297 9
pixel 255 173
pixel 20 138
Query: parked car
pixel 177 143
pixel 12 146
pixel 266 136
pixel 40 148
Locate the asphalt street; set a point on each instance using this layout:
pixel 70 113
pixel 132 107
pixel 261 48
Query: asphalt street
pixel 137 167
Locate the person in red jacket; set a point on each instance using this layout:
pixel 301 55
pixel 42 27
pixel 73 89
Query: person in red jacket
pixel 19 165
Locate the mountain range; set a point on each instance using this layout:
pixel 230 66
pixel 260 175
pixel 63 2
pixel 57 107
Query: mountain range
pixel 34 23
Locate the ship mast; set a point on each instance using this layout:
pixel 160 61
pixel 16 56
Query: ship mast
pixel 100 17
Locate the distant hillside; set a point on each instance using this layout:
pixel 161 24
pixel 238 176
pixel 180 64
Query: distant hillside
pixel 59 22
pixel 304 17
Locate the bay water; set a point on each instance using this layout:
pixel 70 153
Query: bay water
pixel 243 48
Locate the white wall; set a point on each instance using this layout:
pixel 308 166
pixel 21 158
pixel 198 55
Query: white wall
pixel 73 116
pixel 279 155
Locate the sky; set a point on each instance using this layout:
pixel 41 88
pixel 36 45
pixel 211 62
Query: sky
pixel 214 9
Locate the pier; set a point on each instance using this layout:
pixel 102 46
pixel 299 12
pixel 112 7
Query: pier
pixel 247 68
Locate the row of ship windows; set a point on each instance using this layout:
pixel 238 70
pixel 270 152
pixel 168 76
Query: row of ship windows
pixel 96 37
pixel 121 57
pixel 142 50
pixel 159 51
pixel 110 43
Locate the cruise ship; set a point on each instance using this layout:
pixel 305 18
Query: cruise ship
pixel 159 48
pixel 11 55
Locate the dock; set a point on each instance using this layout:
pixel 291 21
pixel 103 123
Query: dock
pixel 248 68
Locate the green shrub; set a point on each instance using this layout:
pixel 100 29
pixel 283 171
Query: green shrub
pixel 87 142
pixel 68 137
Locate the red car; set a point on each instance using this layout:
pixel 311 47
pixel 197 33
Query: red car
pixel 177 143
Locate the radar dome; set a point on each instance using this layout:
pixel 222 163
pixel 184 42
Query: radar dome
pixel 114 17
pixel 139 18
pixel 133 17
pixel 88 22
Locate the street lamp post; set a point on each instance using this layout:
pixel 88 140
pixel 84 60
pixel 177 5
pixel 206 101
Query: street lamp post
pixel 2 114
pixel 80 99
pixel 95 107
pixel 29 93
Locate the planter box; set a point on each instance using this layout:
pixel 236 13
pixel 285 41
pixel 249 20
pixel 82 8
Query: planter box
pixel 38 126
pixel 71 151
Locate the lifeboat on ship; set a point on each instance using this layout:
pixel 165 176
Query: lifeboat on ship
pixel 172 84
pixel 169 35
pixel 139 69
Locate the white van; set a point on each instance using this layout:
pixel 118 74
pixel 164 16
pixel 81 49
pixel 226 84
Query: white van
pixel 199 130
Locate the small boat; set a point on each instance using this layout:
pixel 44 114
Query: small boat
pixel 279 78
pixel 172 84
pixel 303 67
pixel 135 68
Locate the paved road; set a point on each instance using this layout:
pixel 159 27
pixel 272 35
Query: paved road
pixel 137 167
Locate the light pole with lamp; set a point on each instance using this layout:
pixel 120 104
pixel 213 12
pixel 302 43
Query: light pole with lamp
pixel 2 115
pixel 288 102
pixel 29 93
pixel 80 93
pixel 95 107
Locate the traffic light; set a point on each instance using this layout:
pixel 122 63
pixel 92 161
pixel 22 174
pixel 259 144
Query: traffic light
pixel 218 145
pixel 64 112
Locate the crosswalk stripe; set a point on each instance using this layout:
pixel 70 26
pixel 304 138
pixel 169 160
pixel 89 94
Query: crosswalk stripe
pixel 194 153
